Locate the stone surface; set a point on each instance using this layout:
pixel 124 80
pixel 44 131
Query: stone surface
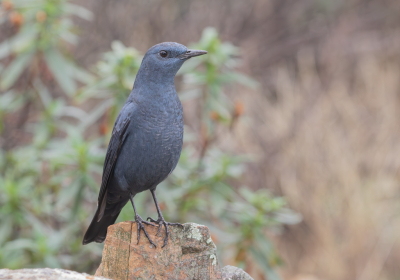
pixel 190 254
pixel 45 274
pixel 234 273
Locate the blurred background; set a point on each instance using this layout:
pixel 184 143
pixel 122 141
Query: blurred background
pixel 292 136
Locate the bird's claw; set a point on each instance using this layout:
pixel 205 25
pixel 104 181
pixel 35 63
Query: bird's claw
pixel 139 221
pixel 160 221
pixel 151 220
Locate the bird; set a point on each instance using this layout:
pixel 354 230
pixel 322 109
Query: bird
pixel 146 141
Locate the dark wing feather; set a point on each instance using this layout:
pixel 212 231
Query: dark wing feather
pixel 117 139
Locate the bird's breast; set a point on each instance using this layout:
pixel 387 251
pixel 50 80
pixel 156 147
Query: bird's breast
pixel 154 145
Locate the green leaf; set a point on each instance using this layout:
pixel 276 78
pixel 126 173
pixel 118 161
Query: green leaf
pixel 5 229
pixel 10 101
pixel 81 75
pixel 19 244
pixel 19 42
pixel 209 35
pixel 43 92
pixel 264 264
pixel 14 70
pixel 60 68
pixel 5 49
pixel 78 11
pixel 242 79
pixel 96 114
pixel 69 37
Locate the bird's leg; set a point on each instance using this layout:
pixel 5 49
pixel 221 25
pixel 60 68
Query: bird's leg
pixel 160 221
pixel 139 221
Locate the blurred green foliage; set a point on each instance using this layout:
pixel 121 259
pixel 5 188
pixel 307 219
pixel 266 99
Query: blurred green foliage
pixel 49 186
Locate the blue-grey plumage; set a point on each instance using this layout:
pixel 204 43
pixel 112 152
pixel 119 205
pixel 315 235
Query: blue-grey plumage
pixel 146 142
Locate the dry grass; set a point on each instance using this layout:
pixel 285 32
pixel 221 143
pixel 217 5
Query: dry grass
pixel 333 150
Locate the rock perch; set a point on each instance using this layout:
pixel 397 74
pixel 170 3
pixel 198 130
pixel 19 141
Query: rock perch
pixel 190 254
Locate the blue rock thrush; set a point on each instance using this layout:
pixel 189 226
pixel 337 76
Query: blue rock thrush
pixel 146 141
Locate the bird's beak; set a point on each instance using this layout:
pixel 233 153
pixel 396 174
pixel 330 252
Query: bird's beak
pixel 191 53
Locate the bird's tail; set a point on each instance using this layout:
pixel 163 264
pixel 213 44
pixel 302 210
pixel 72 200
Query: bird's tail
pixel 97 230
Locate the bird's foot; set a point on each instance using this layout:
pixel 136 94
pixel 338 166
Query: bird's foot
pixel 162 222
pixel 139 221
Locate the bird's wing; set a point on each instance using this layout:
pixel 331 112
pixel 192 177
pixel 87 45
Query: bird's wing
pixel 118 137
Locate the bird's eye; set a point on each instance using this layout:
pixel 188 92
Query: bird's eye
pixel 163 53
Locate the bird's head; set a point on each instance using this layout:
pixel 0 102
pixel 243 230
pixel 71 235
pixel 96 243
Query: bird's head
pixel 163 61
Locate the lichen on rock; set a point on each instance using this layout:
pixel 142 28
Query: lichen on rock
pixel 194 232
pixel 214 258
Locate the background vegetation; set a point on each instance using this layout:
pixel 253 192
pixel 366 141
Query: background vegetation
pixel 317 124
